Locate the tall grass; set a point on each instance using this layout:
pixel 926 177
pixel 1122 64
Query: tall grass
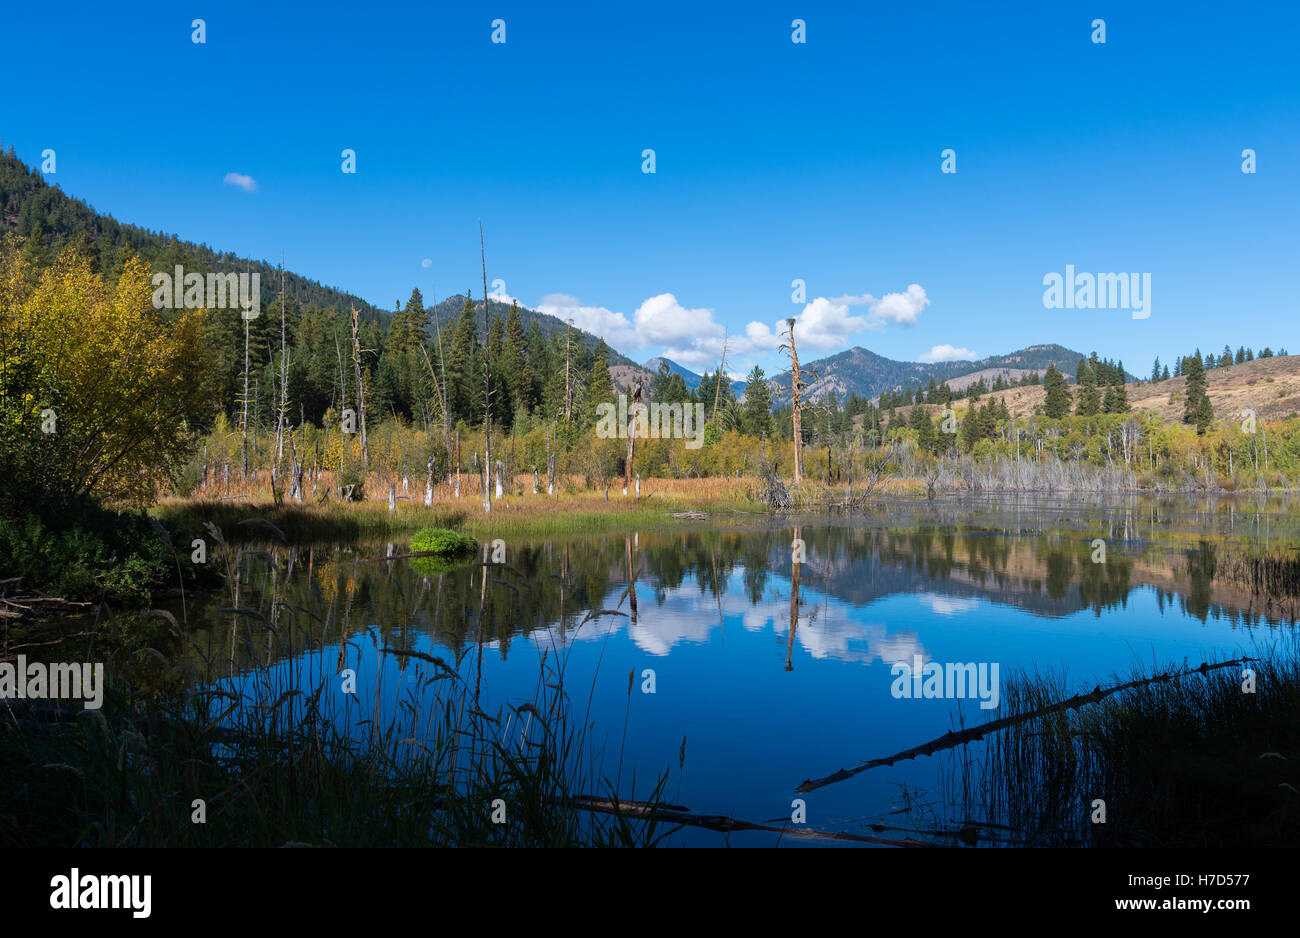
pixel 283 754
pixel 1188 762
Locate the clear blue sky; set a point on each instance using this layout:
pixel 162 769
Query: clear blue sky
pixel 775 160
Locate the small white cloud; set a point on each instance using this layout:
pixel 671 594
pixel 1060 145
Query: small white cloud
pixel 427 262
pixel 247 183
pixel 947 353
pixel 901 308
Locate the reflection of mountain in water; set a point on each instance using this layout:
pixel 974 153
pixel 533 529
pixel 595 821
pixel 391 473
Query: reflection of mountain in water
pixel 1041 575
pixel 690 583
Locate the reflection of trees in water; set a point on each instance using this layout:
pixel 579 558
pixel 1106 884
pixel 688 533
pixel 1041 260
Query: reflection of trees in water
pixel 1200 565
pixel 334 595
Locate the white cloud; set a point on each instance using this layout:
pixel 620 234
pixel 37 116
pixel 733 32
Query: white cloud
pixel 427 262
pixel 827 322
pixel 947 353
pixel 692 337
pixel 661 320
pixel 247 183
pixel 614 328
pixel 901 308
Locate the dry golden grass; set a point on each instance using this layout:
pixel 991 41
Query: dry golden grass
pixel 1268 386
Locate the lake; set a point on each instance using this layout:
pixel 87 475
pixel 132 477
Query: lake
pixel 760 670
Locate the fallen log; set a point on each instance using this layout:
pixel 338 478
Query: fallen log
pixel 677 814
pixel 950 739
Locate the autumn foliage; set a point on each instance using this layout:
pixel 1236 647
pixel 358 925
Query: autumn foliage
pixel 100 393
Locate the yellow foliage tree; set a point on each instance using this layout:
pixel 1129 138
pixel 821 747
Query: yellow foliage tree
pixel 99 393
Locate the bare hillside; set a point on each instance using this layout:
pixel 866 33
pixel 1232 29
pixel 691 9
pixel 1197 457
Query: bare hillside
pixel 1268 386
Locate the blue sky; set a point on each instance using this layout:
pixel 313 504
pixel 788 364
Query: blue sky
pixel 774 160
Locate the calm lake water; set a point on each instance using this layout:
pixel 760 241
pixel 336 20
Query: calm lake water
pixel 772 671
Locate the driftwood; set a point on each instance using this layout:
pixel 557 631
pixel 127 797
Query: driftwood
pixel 691 515
pixel 775 495
pixel 677 814
pixel 35 604
pixel 950 739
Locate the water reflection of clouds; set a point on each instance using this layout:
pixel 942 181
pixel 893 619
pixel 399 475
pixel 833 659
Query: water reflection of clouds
pixel 828 629
pixel 949 605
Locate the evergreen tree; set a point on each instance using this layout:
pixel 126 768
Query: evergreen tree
pixel 1204 415
pixel 1195 388
pixel 1057 404
pixel 758 403
pixel 919 421
pixel 465 368
pixel 511 368
pixel 1087 402
pixel 600 387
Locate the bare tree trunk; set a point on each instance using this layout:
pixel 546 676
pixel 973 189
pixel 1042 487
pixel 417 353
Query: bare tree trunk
pixel 243 423
pixel 550 461
pixel 361 404
pixel 284 374
pixel 795 570
pixel 795 389
pixel 487 381
pixel 631 437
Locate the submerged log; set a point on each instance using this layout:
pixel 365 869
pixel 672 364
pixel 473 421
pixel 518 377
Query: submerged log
pixel 677 814
pixel 950 739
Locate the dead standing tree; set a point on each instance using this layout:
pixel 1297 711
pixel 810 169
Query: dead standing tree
pixel 631 436
pixel 796 387
pixel 487 383
pixel 361 404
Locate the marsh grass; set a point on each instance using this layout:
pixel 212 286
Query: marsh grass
pixel 1188 762
pixel 282 754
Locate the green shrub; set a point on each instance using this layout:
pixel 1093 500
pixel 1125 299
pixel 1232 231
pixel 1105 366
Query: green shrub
pixel 442 541
pixel 90 554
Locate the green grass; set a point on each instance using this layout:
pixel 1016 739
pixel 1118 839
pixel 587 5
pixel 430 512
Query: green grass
pixel 303 524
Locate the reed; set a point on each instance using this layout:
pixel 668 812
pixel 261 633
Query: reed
pixel 1179 763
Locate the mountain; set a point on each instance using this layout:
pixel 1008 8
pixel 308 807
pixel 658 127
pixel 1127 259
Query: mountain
pixel 863 372
pixel 448 311
pixel 31 207
pixel 691 378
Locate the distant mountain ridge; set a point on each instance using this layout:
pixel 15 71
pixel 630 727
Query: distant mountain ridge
pixel 448 311
pixel 863 372
pixel 691 378
pixel 33 208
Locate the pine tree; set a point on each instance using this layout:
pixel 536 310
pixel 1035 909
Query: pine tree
pixel 464 359
pixel 758 403
pixel 510 372
pixel 1057 404
pixel 1204 415
pixel 600 386
pixel 919 421
pixel 1195 388
pixel 1088 402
